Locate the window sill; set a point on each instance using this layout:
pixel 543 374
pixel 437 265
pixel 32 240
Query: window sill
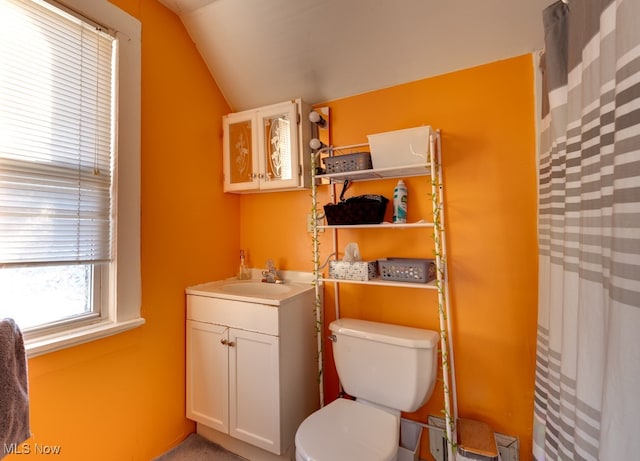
pixel 55 342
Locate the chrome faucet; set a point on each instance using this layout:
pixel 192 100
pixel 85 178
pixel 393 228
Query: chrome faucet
pixel 270 275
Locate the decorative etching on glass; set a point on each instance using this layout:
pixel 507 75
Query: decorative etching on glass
pixel 240 136
pixel 279 149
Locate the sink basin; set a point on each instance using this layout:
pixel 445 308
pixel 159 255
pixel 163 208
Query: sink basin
pixel 259 289
pixel 255 291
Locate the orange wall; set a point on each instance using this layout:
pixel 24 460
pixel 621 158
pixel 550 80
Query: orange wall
pixel 486 115
pixel 122 398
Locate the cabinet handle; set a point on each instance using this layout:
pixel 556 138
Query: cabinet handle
pixel 226 342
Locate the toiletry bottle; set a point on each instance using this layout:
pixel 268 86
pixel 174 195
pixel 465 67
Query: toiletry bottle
pixel 400 203
pixel 243 272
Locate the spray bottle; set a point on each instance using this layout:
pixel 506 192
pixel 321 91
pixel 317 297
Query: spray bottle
pixel 400 203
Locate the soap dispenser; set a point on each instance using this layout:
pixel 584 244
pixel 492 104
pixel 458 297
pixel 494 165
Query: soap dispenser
pixel 243 273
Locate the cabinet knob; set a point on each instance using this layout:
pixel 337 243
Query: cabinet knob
pixel 226 342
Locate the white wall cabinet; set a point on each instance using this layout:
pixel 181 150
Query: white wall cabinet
pixel 251 368
pixel 265 149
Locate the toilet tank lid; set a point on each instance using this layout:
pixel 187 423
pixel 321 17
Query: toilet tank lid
pixel 386 333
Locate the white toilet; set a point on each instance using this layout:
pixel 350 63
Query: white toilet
pixel 388 369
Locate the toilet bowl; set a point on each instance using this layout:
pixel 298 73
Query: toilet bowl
pixel 388 369
pixel 350 431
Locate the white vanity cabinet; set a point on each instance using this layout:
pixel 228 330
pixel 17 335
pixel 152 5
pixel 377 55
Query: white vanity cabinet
pixel 251 367
pixel 233 381
pixel 265 149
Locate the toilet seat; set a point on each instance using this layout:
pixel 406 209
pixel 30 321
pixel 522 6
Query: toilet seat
pixel 346 430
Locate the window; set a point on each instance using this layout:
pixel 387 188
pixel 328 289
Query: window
pixel 69 171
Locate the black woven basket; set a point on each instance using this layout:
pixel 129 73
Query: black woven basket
pixel 363 209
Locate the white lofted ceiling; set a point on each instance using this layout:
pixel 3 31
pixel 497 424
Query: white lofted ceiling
pixel 266 51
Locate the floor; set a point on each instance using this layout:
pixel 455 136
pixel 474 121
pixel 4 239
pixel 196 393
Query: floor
pixel 197 448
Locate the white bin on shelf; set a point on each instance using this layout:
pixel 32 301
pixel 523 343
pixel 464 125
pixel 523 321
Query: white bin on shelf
pixel 408 147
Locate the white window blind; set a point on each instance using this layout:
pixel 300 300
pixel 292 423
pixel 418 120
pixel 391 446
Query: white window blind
pixel 56 137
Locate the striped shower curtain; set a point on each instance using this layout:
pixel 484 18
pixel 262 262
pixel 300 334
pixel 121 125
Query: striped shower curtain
pixel 587 390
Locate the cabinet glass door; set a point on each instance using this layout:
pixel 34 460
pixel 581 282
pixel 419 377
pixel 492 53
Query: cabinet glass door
pixel 278 138
pixel 240 159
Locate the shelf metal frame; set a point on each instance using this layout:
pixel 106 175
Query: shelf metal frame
pixel 384 283
pixel 433 169
pixel 377 226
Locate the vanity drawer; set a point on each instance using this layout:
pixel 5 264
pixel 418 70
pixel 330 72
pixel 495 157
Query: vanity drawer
pixel 236 314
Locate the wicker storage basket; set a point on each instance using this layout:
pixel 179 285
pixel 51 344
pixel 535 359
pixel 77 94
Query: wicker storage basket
pixel 347 162
pixel 363 209
pixel 407 269
pixel 356 270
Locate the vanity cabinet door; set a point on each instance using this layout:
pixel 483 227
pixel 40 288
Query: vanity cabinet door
pixel 207 374
pixel 240 152
pixel 278 146
pixel 254 397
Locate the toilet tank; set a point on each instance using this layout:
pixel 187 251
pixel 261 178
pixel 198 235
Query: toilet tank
pixel 389 365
